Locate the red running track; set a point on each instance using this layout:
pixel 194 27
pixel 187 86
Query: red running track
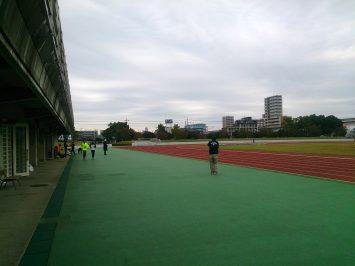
pixel 332 167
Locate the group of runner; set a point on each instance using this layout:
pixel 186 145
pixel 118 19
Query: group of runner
pixel 92 146
pixel 62 152
pixel 212 144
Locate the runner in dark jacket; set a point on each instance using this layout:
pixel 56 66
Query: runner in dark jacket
pixel 213 158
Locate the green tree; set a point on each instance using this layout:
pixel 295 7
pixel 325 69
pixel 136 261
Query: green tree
pixel 288 127
pixel 331 124
pixel 222 134
pixel 340 131
pixel 314 131
pixel 266 132
pixel 316 125
pixel 137 135
pixel 179 133
pixel 243 133
pixel 118 131
pixel 193 134
pixel 148 135
pixel 162 134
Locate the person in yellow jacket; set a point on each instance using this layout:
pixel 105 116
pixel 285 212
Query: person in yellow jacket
pixel 84 147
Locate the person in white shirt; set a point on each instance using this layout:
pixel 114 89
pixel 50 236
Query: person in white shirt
pixel 93 149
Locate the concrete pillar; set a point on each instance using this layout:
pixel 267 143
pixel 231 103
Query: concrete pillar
pixel 41 147
pixel 49 147
pixel 36 145
pixel 32 144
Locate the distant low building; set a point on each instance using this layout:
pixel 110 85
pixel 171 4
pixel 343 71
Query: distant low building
pixel 201 127
pixel 349 124
pixel 88 134
pixel 247 123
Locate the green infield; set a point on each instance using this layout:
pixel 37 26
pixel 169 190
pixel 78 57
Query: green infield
pixel 135 208
pixel 323 148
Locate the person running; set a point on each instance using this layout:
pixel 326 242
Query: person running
pixel 105 146
pixel 84 148
pixel 213 158
pixel 93 149
pixel 65 149
pixel 72 148
pixel 56 150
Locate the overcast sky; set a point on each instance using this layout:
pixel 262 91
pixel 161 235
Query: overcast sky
pixel 148 60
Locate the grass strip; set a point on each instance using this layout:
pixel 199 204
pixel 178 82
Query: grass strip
pixel 329 148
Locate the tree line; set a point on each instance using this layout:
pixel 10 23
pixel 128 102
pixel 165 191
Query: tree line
pixel 303 126
pixel 120 131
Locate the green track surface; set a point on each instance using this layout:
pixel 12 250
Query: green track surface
pixel 134 208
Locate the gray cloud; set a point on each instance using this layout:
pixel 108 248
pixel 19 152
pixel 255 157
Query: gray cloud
pixel 151 60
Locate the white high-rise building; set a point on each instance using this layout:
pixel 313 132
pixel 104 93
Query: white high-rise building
pixel 273 112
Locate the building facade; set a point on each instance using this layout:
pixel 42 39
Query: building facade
pixel 349 124
pixel 261 123
pixel 35 100
pixel 273 112
pixel 246 123
pixel 88 134
pixel 227 122
pixel 200 127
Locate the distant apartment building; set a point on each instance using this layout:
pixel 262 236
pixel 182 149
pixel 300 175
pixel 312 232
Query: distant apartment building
pixel 227 122
pixel 88 134
pixel 261 123
pixel 273 112
pixel 201 127
pixel 247 123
